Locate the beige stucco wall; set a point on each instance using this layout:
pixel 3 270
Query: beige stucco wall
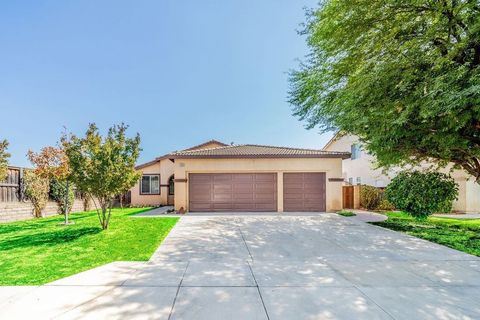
pixel 332 168
pixel 364 167
pixel 165 168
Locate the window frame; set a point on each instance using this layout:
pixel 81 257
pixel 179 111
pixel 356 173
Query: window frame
pixel 355 150
pixel 141 184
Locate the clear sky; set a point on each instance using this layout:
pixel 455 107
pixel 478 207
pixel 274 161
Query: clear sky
pixel 178 72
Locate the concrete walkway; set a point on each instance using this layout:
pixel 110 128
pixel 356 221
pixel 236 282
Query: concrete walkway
pixel 267 267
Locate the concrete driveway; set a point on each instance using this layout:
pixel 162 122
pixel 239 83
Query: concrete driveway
pixel 267 267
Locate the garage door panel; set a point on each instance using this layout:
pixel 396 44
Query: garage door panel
pixel 233 192
pixel 202 206
pixel 312 197
pixel 222 189
pixel 200 178
pixel 304 191
pixel 243 178
pixel 267 177
pixel 265 207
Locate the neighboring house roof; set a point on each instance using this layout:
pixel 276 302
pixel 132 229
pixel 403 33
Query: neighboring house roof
pixel 337 135
pixel 257 151
pixel 200 146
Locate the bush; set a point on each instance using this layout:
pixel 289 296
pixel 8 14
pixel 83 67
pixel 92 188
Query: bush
pixel 346 213
pixel 58 192
pixel 422 193
pixel 385 204
pixel 370 197
pixel 36 190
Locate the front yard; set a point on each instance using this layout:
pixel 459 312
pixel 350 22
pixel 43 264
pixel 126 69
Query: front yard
pixel 39 251
pixel 463 235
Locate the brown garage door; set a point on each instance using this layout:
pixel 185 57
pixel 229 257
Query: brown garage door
pixel 304 192
pixel 233 192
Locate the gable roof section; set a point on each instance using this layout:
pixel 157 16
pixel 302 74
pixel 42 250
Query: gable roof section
pixel 337 135
pixel 202 145
pixel 257 151
pixel 167 156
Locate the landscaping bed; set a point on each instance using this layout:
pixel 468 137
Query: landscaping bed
pixel 463 235
pixel 42 250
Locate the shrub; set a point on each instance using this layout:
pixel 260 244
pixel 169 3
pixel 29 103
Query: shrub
pixel 370 197
pixel 422 193
pixel 385 204
pixel 58 192
pixel 36 190
pixel 346 213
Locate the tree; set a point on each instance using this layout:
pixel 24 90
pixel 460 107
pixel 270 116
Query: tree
pixel 36 190
pixel 63 193
pixel 103 167
pixel 404 76
pixel 4 155
pixel 422 193
pixel 51 163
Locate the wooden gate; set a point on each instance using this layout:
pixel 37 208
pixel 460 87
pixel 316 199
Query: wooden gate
pixel 348 197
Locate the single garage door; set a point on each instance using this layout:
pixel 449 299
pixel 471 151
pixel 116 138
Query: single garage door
pixel 232 192
pixel 304 192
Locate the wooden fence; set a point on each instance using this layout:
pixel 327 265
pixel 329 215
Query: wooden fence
pixel 11 187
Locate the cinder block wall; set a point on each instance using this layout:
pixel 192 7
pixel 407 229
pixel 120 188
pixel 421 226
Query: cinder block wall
pixel 15 211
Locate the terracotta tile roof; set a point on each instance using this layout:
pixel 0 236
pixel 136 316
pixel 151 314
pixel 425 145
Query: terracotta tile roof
pixel 206 144
pixel 257 151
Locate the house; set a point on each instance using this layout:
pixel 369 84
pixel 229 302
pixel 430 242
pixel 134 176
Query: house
pixel 214 176
pixel 361 169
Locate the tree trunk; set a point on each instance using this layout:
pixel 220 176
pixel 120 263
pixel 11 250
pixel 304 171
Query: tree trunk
pixel 65 209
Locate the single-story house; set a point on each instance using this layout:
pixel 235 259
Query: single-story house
pixel 360 168
pixel 215 176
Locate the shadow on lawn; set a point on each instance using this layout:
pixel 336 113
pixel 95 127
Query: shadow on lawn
pixel 48 238
pixel 37 223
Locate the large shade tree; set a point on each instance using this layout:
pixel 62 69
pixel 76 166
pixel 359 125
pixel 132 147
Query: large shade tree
pixel 103 167
pixel 403 75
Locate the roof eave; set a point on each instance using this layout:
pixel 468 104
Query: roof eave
pixel 276 156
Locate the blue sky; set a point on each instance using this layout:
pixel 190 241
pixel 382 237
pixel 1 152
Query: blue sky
pixel 178 72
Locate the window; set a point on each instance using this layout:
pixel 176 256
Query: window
pixel 356 151
pixel 171 186
pixel 359 180
pixel 150 184
pixel 350 181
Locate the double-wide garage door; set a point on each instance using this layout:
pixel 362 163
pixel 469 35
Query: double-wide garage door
pixel 233 192
pixel 256 192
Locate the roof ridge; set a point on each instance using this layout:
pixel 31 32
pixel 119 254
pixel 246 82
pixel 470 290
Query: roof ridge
pixel 199 150
pixel 280 147
pixel 205 143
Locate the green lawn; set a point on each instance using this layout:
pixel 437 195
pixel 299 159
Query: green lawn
pixel 463 235
pixel 41 250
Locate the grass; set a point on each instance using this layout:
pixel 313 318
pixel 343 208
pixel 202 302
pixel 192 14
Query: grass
pixel 39 251
pixel 346 213
pixel 460 234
